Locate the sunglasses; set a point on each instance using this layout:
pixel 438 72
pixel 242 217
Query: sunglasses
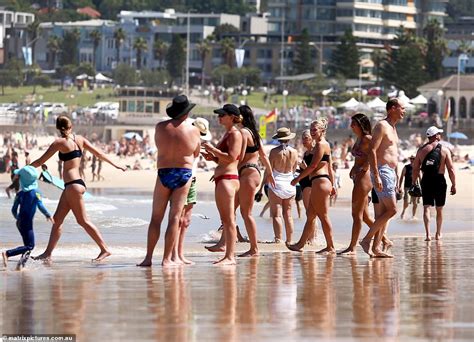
pixel 221 115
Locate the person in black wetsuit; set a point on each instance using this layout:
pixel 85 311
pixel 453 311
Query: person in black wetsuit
pixel 406 180
pixel 434 159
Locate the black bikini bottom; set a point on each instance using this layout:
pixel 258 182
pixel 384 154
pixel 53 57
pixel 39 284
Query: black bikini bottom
pixel 319 176
pixel 75 181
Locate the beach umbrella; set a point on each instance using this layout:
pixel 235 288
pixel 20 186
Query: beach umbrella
pixel 131 135
pixel 458 135
pixel 419 100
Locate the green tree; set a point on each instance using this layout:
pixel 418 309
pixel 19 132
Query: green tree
pixel 34 31
pixel 228 51
pixel 96 37
pixel 204 47
pixel 160 48
pixel 54 47
pixel 303 62
pixel 140 45
pixel 176 57
pixel 125 75
pixel 345 58
pixel 84 68
pixel 69 47
pixel 223 30
pixel 404 67
pixel 64 71
pixel 119 36
pixel 437 48
pixel 8 78
pixel 154 78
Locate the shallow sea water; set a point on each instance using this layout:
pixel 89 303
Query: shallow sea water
pixel 424 293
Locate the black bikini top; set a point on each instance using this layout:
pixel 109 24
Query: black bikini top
pixel 325 158
pixel 70 155
pixel 251 149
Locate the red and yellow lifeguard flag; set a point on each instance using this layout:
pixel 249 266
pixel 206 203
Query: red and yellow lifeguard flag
pixel 272 116
pixel 447 111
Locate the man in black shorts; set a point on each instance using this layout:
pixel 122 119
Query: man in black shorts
pixel 434 159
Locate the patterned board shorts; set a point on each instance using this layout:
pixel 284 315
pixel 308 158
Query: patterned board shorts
pixel 389 182
pixel 192 193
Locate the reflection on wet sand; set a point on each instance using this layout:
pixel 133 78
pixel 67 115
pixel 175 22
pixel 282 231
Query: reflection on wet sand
pixel 424 293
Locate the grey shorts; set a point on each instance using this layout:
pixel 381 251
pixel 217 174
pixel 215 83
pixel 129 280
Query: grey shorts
pixel 389 182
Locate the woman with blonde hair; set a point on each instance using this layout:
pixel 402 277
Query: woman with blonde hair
pixel 70 148
pixel 227 154
pixel 322 187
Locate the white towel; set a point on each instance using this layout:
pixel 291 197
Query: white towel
pixel 283 187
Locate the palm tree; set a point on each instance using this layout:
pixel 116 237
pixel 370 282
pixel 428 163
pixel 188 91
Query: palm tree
pixel 204 48
pixel 119 36
pixel 140 45
pixel 34 31
pixel 378 58
pixel 54 46
pixel 96 37
pixel 160 48
pixel 228 51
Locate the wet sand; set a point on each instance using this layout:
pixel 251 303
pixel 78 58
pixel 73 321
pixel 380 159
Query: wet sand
pixel 424 293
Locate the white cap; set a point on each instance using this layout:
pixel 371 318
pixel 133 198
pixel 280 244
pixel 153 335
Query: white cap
pixel 432 131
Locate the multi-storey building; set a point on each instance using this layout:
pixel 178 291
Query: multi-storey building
pixel 12 32
pixel 373 22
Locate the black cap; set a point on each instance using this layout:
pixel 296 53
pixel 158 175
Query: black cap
pixel 179 107
pixel 229 109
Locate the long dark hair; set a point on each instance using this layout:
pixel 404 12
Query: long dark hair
pixel 363 122
pixel 249 122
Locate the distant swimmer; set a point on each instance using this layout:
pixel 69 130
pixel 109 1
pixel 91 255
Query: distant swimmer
pixel 70 148
pixel 284 161
pixel 434 159
pixel 178 144
pixel 383 158
pixel 24 209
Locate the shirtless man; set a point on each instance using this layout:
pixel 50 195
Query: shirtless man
pixel 433 159
pixel 284 161
pixel 178 144
pixel 383 158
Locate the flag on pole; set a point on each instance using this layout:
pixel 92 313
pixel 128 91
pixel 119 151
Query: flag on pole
pixel 262 127
pixel 239 57
pixel 272 116
pixel 447 111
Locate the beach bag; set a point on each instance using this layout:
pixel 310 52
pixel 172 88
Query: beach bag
pixel 415 191
pixel 432 161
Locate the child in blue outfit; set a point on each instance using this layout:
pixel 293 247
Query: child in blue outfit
pixel 28 199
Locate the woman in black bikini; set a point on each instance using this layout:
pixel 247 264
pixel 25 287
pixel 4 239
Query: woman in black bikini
pixel 227 155
pixel 70 148
pixel 322 180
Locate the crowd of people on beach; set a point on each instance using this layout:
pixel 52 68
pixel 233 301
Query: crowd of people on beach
pixel 239 180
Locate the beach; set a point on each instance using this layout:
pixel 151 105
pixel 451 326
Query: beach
pixel 422 293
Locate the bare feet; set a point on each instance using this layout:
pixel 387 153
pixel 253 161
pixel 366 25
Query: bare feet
pixel 102 255
pixel 215 248
pixel 294 247
pixel 43 257
pixel 186 261
pixel 169 263
pixel 327 251
pixel 386 245
pixel 380 254
pixel 348 251
pixel 438 236
pixel 365 246
pixel 249 253
pixel 428 238
pixel 225 262
pixel 5 259
pixel 145 263
pixel 277 240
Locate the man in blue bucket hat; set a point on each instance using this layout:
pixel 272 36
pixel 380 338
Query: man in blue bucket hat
pixel 27 200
